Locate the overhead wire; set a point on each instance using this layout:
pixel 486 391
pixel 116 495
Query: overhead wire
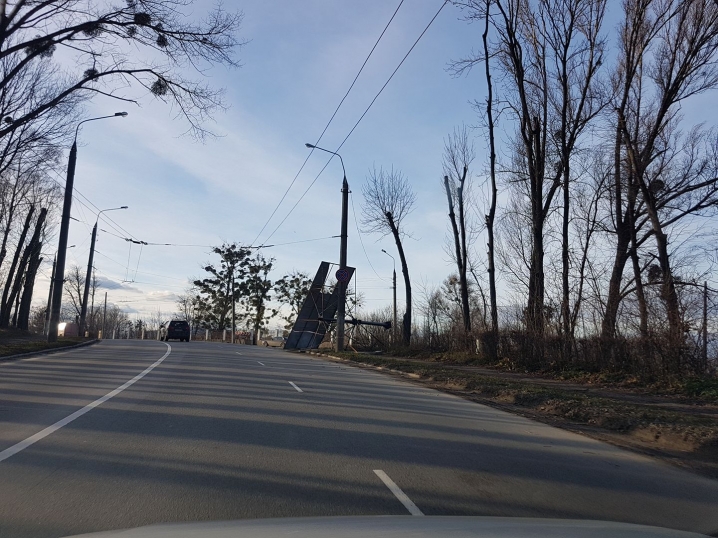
pixel 362 241
pixel 360 118
pixel 104 217
pixel 302 241
pixel 329 122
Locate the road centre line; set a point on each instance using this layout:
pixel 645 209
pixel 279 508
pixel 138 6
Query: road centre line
pixel 396 490
pixel 261 363
pixel 22 445
pixel 296 387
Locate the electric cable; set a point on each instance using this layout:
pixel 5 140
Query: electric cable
pixel 329 122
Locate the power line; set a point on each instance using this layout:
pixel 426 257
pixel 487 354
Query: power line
pixel 329 122
pixel 104 217
pixel 361 240
pixel 297 242
pixel 361 117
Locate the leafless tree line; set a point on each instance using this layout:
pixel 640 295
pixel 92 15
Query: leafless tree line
pixel 55 56
pixel 608 192
pixel 593 207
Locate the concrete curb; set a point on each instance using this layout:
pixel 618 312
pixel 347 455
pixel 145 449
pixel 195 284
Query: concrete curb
pixel 47 351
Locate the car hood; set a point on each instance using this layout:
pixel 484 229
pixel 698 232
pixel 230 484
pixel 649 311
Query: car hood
pixel 398 527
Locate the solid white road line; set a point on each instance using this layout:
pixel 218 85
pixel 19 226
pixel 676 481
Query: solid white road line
pixel 396 490
pixel 22 445
pixel 296 387
pixel 261 363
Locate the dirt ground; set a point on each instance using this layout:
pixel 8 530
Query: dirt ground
pixel 675 428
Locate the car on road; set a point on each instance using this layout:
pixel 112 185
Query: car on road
pixel 175 330
pixel 275 341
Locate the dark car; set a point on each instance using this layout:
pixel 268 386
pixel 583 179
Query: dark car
pixel 175 330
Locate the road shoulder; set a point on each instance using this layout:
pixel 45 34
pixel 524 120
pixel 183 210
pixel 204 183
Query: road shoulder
pixel 684 437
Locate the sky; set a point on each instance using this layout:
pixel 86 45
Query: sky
pixel 299 60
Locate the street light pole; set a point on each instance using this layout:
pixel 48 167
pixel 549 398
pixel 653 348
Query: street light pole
pixel 88 276
pixel 393 287
pixel 341 300
pixel 64 232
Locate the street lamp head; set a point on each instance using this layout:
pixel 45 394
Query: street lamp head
pixel 124 207
pixel 122 114
pixel 311 146
pixel 384 251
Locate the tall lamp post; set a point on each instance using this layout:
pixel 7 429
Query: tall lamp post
pixel 88 276
pixel 64 231
pixel 46 327
pixel 341 306
pixel 393 287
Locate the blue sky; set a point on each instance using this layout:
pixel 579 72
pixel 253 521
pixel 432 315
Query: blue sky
pixel 299 61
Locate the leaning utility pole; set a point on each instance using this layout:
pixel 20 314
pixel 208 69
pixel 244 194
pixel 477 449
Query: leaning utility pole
pixel 49 298
pixel 88 277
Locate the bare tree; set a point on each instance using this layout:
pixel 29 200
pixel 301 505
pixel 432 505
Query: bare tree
pixel 668 53
pixel 388 199
pixel 458 155
pixel 23 278
pixel 75 287
pixel 6 303
pixel 548 53
pixel 144 42
pixel 491 215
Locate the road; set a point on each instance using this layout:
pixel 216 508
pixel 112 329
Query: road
pixel 215 431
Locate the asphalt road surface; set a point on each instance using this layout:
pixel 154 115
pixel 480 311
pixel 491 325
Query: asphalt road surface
pixel 215 431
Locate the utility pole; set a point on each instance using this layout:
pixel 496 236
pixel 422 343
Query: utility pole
pixel 342 295
pixel 104 317
pixel 92 302
pixel 232 339
pixel 62 246
pixel 393 332
pixel 49 297
pixel 341 307
pixel 64 232
pixel 88 277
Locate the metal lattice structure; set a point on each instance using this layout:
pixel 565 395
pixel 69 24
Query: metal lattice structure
pixel 318 311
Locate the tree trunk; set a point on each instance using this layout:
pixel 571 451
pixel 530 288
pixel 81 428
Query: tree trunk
pixel 640 294
pixel 493 344
pixel 460 247
pixel 6 305
pixel 610 316
pixel 565 295
pixel 463 283
pixel 23 319
pixel 8 227
pixel 29 250
pixel 535 304
pixel 406 322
